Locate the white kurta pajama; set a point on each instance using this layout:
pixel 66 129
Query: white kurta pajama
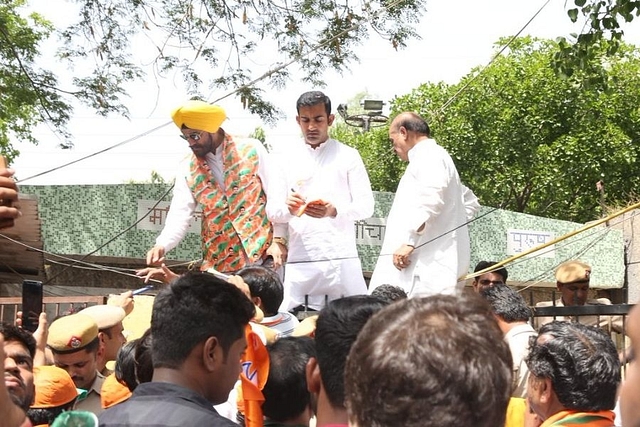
pixel 323 261
pixel 429 193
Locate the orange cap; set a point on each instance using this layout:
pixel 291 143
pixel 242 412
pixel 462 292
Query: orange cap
pixel 54 387
pixel 113 392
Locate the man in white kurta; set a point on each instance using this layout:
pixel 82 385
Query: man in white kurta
pixel 322 263
pixel 426 245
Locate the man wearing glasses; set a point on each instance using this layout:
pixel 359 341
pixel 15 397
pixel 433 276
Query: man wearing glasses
pixel 228 178
pixel 490 279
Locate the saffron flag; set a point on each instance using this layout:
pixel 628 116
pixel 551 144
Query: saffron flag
pixel 255 370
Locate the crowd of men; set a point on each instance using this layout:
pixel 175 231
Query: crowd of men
pixel 376 360
pixel 414 349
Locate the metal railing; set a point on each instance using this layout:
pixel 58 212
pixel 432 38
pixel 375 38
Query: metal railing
pixel 610 317
pixel 53 306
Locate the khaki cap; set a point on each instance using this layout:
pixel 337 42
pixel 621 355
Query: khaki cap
pixel 572 272
pixel 105 316
pixel 71 333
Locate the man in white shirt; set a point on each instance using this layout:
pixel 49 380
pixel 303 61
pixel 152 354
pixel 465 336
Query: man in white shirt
pixel 512 314
pixel 426 246
pixel 323 189
pixel 228 178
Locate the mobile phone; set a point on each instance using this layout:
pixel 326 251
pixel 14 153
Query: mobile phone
pixel 31 304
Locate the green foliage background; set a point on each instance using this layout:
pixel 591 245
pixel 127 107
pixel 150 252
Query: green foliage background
pixel 525 138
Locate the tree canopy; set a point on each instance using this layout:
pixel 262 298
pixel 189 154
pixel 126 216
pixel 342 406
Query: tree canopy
pixel 527 139
pixel 602 30
pixel 28 93
pixel 211 45
pixel 243 47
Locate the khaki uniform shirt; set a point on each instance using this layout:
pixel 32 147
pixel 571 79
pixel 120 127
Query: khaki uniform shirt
pixel 608 323
pixel 92 402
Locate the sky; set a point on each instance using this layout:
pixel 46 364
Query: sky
pixel 456 36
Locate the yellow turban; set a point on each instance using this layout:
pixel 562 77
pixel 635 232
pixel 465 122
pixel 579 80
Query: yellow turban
pixel 199 115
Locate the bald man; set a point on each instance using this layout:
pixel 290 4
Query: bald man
pixel 227 178
pixel 426 245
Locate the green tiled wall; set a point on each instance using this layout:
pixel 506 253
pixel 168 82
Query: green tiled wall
pixel 77 220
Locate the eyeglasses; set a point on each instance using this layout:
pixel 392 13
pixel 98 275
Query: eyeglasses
pixel 195 136
pixel 487 282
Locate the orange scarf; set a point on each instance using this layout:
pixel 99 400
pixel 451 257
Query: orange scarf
pixel 255 370
pixel 577 418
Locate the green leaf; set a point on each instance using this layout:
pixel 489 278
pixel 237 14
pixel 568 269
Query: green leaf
pixel 573 14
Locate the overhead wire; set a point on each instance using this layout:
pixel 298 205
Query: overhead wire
pixel 576 255
pixel 598 233
pixel 585 227
pixel 253 82
pixel 472 79
pixel 165 194
pixel 75 263
pixel 601 233
pixel 389 254
pixel 267 74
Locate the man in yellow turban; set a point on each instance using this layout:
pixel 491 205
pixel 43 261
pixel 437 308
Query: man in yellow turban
pixel 227 177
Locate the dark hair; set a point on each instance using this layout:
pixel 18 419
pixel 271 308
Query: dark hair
pixel 507 304
pixel 13 333
pixel 133 362
pixel 191 309
pixel 582 363
pixel 337 327
pixel 142 358
pixel 413 122
pixel 285 394
pixel 125 370
pixel 265 284
pixel 39 416
pixel 486 264
pixel 435 361
pixel 389 293
pixel 314 97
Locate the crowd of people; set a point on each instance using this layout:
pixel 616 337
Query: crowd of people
pixel 278 340
pixel 365 360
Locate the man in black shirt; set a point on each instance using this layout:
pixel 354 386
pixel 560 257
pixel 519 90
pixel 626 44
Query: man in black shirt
pixel 197 325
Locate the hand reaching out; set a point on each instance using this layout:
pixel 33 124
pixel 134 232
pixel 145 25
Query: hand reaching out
pixel 161 273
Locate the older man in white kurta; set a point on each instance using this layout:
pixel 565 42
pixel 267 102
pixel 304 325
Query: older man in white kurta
pixel 323 262
pixel 426 246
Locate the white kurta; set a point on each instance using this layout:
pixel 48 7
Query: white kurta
pixel 323 261
pixel 429 193
pixel 518 340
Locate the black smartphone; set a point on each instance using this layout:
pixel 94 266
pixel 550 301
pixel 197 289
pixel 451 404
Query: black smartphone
pixel 31 304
